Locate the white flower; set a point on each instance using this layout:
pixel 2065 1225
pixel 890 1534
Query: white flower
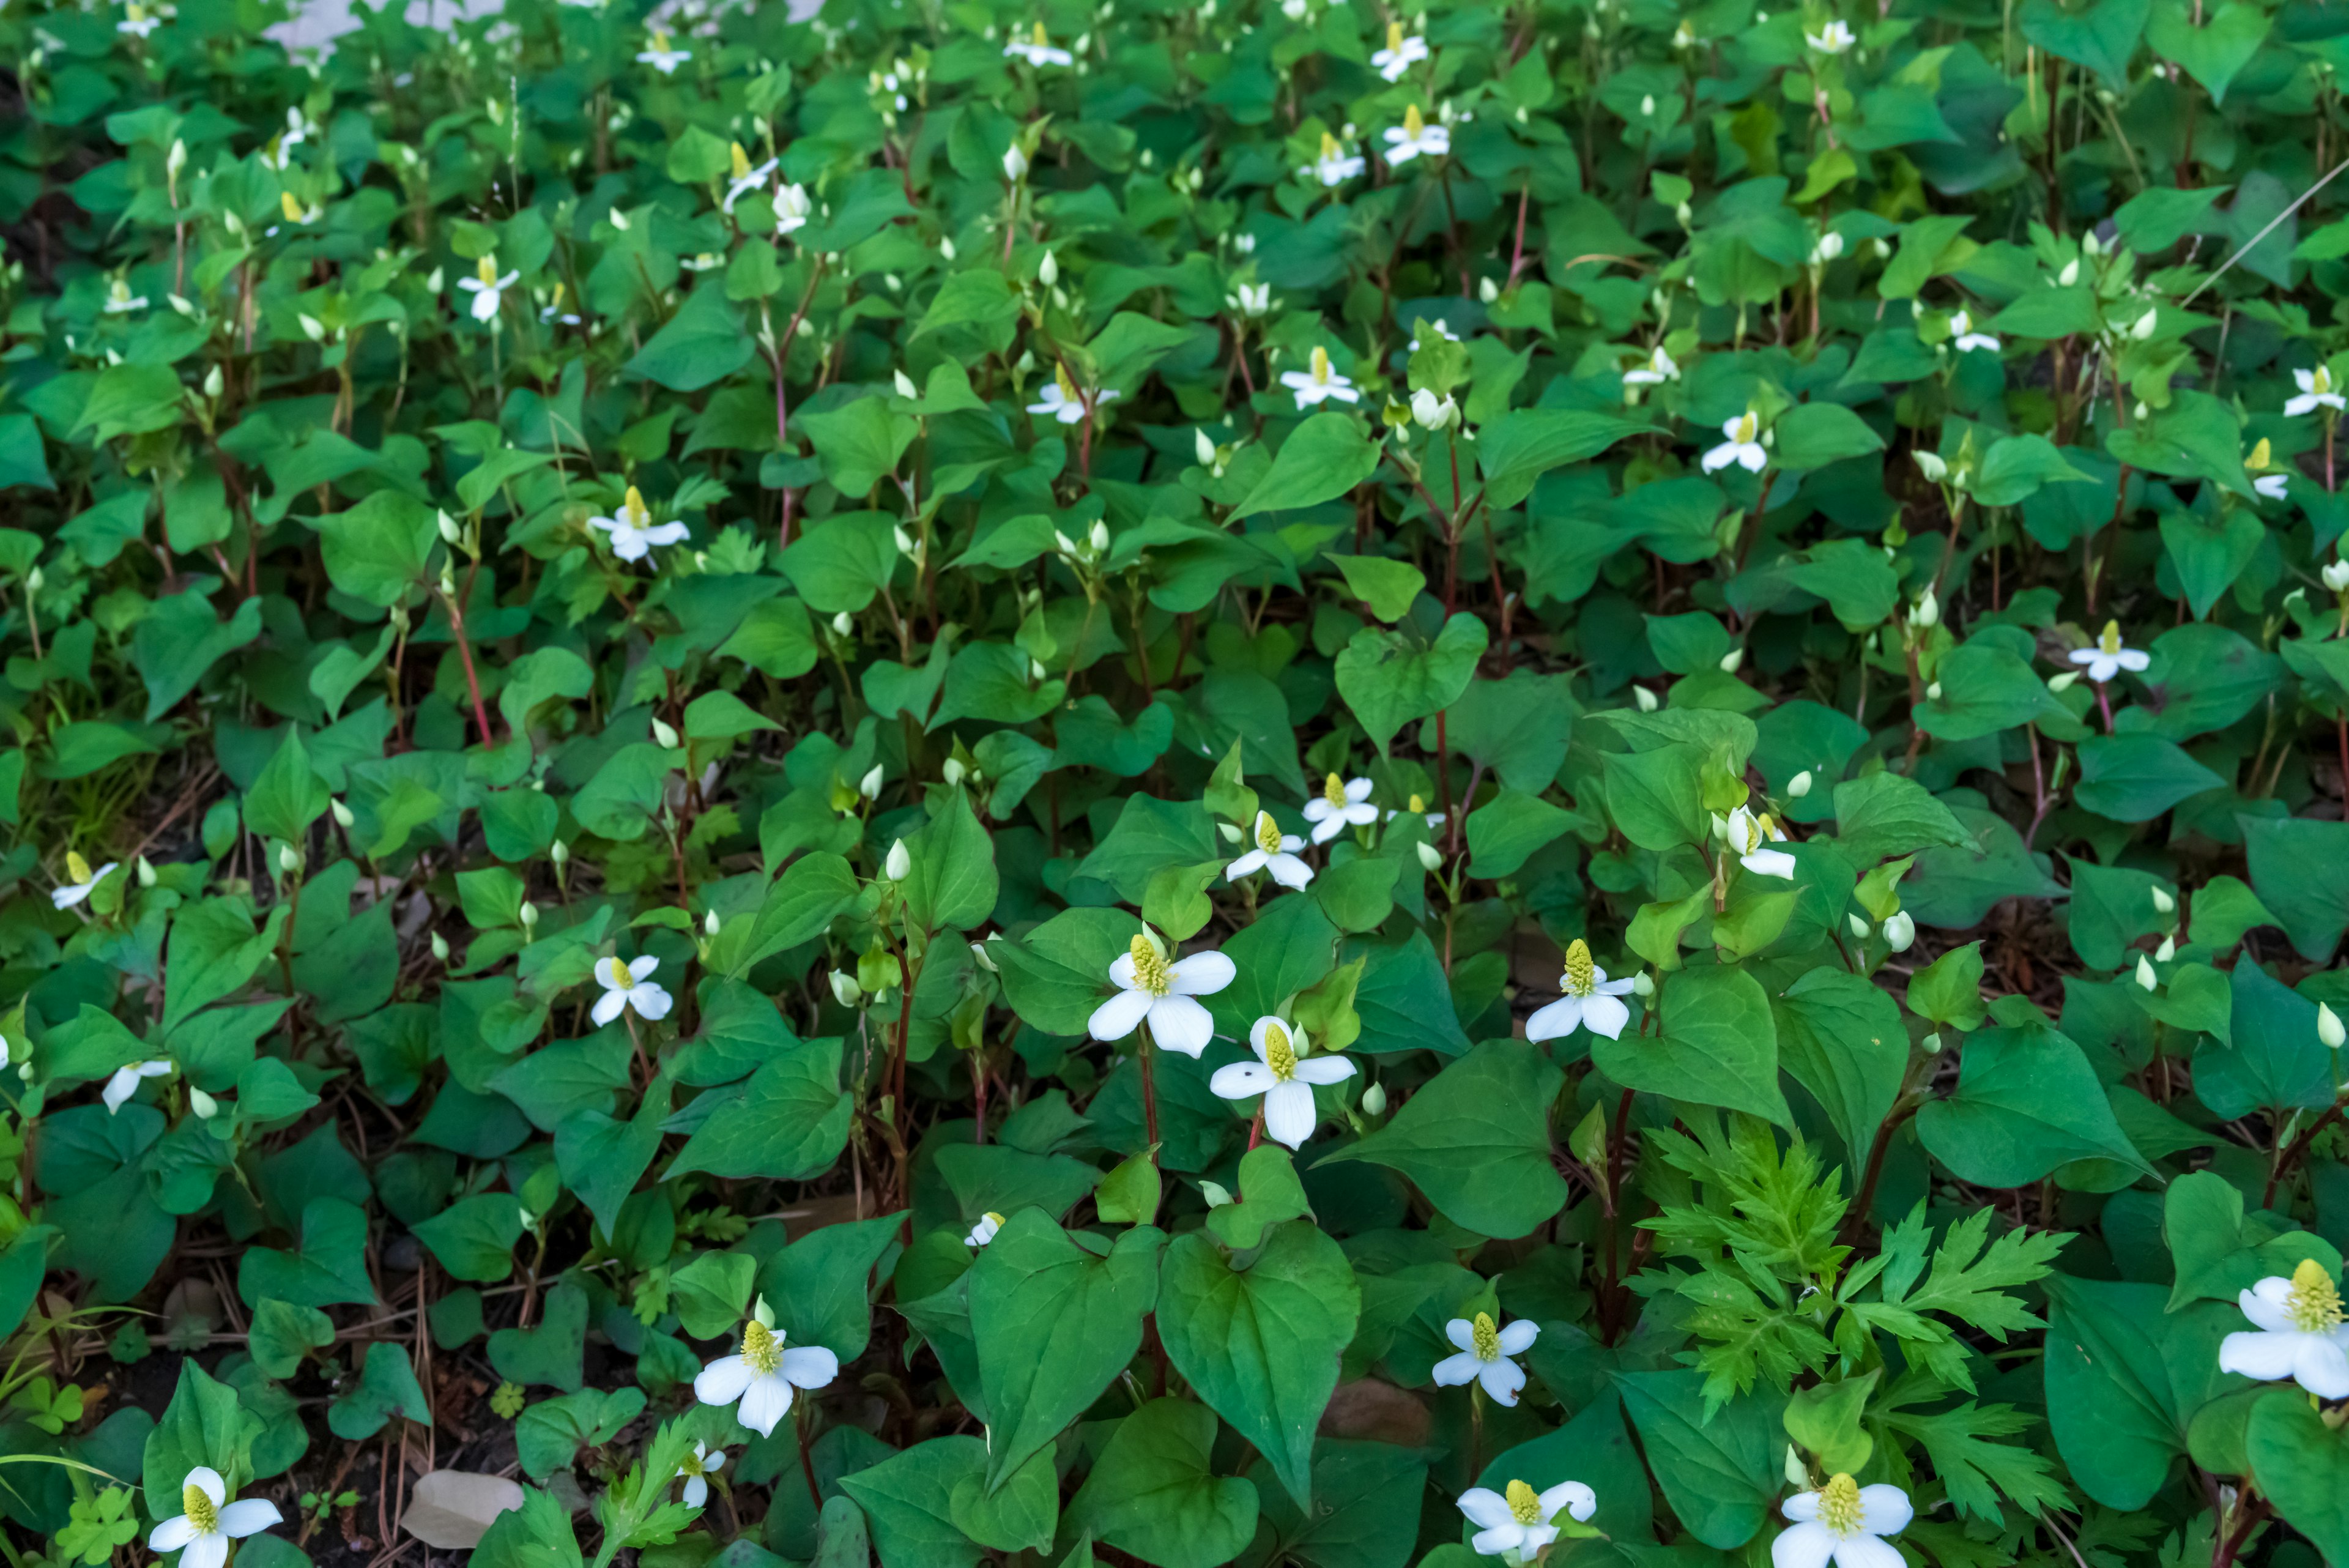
pixel 1830 247
pixel 120 301
pixel 763 1374
pixel 1485 1349
pixel 1417 806
pixel 1151 990
pixel 1251 300
pixel 1899 930
pixel 699 1465
pixel 1749 839
pixel 80 880
pixel 138 21
pixel 1835 40
pixel 792 209
pixel 1434 413
pixel 634 533
pixel 1058 398
pixel 1658 370
pixel 1334 165
pixel 1799 786
pixel 1843 1523
pixel 627 985
pixel 486 288
pixel 2328 1030
pixel 1961 329
pixel 1742 448
pixel 746 179
pixel 1275 852
pixel 984 1232
pixel 1588 999
pixel 2316 392
pixel 1285 1075
pixel 1320 383
pixel 1517 1526
pixel 125 1083
pixel 208 1522
pixel 2336 576
pixel 2295 1333
pixel 2107 658
pixel 1036 50
pixel 1399 55
pixel 2270 484
pixel 1341 802
pixel 1415 137
pixel 661 57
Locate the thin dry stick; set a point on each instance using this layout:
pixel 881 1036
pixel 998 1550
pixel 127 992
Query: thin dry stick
pixel 2273 224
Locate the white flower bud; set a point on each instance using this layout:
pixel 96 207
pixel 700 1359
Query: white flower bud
pixel 1643 984
pixel 1203 449
pixel 1215 1193
pixel 1732 659
pixel 985 961
pixel 844 988
pixel 1929 610
pixel 147 878
pixel 1930 465
pixel 2167 950
pixel 176 160
pixel 2163 902
pixel 2063 682
pixel 905 388
pixel 450 531
pixel 1933 692
pixel 1375 1100
pixel 343 817
pixel 945 249
pixel 2145 977
pixel 1899 930
pixel 900 864
pixel 34 579
pixel 953 772
pixel 2328 1026
pixel 1048 270
pixel 558 852
pixel 710 923
pixel 1799 786
pixel 1097 537
pixel 1432 413
pixel 870 785
pixel 2146 326
pixel 440 947
pixel 1645 699
pixel 664 736
pixel 214 382
pixel 1015 164
pixel 1859 927
pixel 289 859
pixel 528 915
pixel 841 624
pixel 2069 276
pixel 904 541
pixel 1487 290
pixel 1430 857
pixel 312 327
pixel 1231 831
pixel 203 1105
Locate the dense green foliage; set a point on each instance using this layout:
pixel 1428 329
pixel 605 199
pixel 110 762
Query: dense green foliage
pixel 1178 784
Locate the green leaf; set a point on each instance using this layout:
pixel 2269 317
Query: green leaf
pixel 2301 1464
pixel 1716 1464
pixel 1812 435
pixel 1880 816
pixel 699 346
pixel 1656 796
pixel 2295 865
pixel 1389 678
pixel 1719 1046
pixel 474 1237
pixel 380 548
pixel 953 885
pixel 1515 449
pixel 1476 1139
pixel 2125 1376
pixel 1388 587
pixel 2026 1101
pixel 1152 1493
pixel 1056 975
pixel 386 1387
pixel 787 1121
pixel 820 1287
pixel 1840 1036
pixel 1323 459
pixel 330 1268
pixel 1949 990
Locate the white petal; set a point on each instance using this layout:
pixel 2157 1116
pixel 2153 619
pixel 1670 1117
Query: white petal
pixel 1324 1069
pixel 207 1550
pixel 1288 1115
pixel 650 1000
pixel 643 967
pixel 1461 1333
pixel 1866 1552
pixel 810 1366
pixel 1201 974
pixel 1179 1023
pixel 1455 1370
pixel 2320 1366
pixel 697 1491
pixel 1502 1379
pixel 1805 1545
pixel 1883 1510
pixel 1328 825
pixel 1557 1021
pixel 249 1516
pixel 1117 1018
pixel 1121 970
pixel 608 1006
pixel 764 1403
pixel 1603 1014
pixel 171 1534
pixel 1319 809
pixel 1578 1501
pixel 1242 1079
pixel 206 1480
pixel 1250 863
pixel 1361 812
pixel 2133 659
pixel 1289 870
pixel 2263 1354
pixel 1485 1508
pixel 1501 1538
pixel 1802 1507
pixel 723 1380
pixel 1260 1030
pixel 1536 1537
pixel 1771 863
pixel 1518 1338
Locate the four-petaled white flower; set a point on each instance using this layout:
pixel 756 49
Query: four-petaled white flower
pixel 634 533
pixel 1400 54
pixel 1415 137
pixel 746 179
pixel 1843 1523
pixel 627 985
pixel 487 287
pixel 1285 1075
pixel 120 301
pixel 125 1083
pixel 1251 300
pixel 1749 839
pixel 1743 448
pixel 697 1469
pixel 553 310
pixel 2296 1333
pixel 208 1520
pixel 1659 370
pixel 1341 803
pixel 764 1373
pixel 2106 657
pixel 1417 806
pixel 1036 50
pixel 1275 852
pixel 2316 392
pixel 1515 1525
pixel 1162 993
pixel 2267 480
pixel 1058 398
pixel 138 21
pixel 984 1232
pixel 1485 1349
pixel 661 57
pixel 1333 165
pixel 1834 39
pixel 80 880
pixel 1965 339
pixel 793 210
pixel 1318 383
pixel 1587 1000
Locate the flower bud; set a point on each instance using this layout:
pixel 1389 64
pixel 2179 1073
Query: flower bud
pixel 710 923
pixel 203 1105
pixel 289 859
pixel 2063 682
pixel 953 772
pixel 905 388
pixel 1375 1100
pixel 450 531
pixel 214 382
pixel 146 872
pixel 1487 290
pixel 2146 978
pixel 869 786
pixel 842 625
pixel 1015 164
pixel 1048 270
pixel 1645 699
pixel 844 988
pixel 343 817
pixel 2167 950
pixel 1430 857
pixel 1797 1475
pixel 1859 927
pixel 1097 537
pixel 558 852
pixel 1643 984
pixel 1799 786
pixel 2069 276
pixel 1215 1193
pixel 1732 659
pixel 2328 1026
pixel 664 736
pixel 2162 902
pixel 900 864
pixel 981 956
pixel 1930 465
pixel 1231 831
pixel 1899 930
pixel 1203 449
pixel 34 579
pixel 1928 608
pixel 904 541
pixel 440 948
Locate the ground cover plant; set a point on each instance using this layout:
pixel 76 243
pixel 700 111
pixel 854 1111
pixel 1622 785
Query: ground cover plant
pixel 1175 783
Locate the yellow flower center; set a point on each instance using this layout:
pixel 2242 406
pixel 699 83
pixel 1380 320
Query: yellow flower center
pixel 2322 382
pixel 1068 388
pixel 2315 1305
pixel 1764 830
pixel 1149 966
pixel 616 975
pixel 1581 974
pixel 1747 427
pixel 1394 46
pixel 741 162
pixel 77 868
pixel 761 1351
pixel 992 1218
pixel 1040 37
pixel 1278 1054
pixel 486 269
pixel 289 206
pixel 1485 1336
pixel 1418 804
pixel 557 301
pixel 1333 790
pixel 203 1516
pixel 1412 124
pixel 1839 1508
pixel 1525 1503
pixel 632 509
pixel 1321 371
pixel 2260 455
pixel 660 42
pixel 1329 149
pixel 1268 833
pixel 2109 639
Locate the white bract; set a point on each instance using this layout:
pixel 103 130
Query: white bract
pixel 1415 137
pixel 1515 1524
pixel 1285 1075
pixel 634 533
pixel 120 301
pixel 627 985
pixel 1153 990
pixel 80 880
pixel 1400 54
pixel 1485 1349
pixel 1036 50
pixel 1836 38
pixel 487 287
pixel 1743 448
pixel 1319 383
pixel 764 1373
pixel 2106 657
pixel 138 21
pixel 746 179
pixel 125 1083
pixel 2296 1333
pixel 1587 1000
pixel 1658 370
pixel 698 1466
pixel 208 1520
pixel 2316 392
pixel 661 57
pixel 1059 400
pixel 984 1232
pixel 1843 1523
pixel 1333 165
pixel 1341 803
pixel 1275 852
pixel 1962 334
pixel 1749 839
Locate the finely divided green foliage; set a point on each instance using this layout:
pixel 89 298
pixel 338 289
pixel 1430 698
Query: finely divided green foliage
pixel 1153 781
